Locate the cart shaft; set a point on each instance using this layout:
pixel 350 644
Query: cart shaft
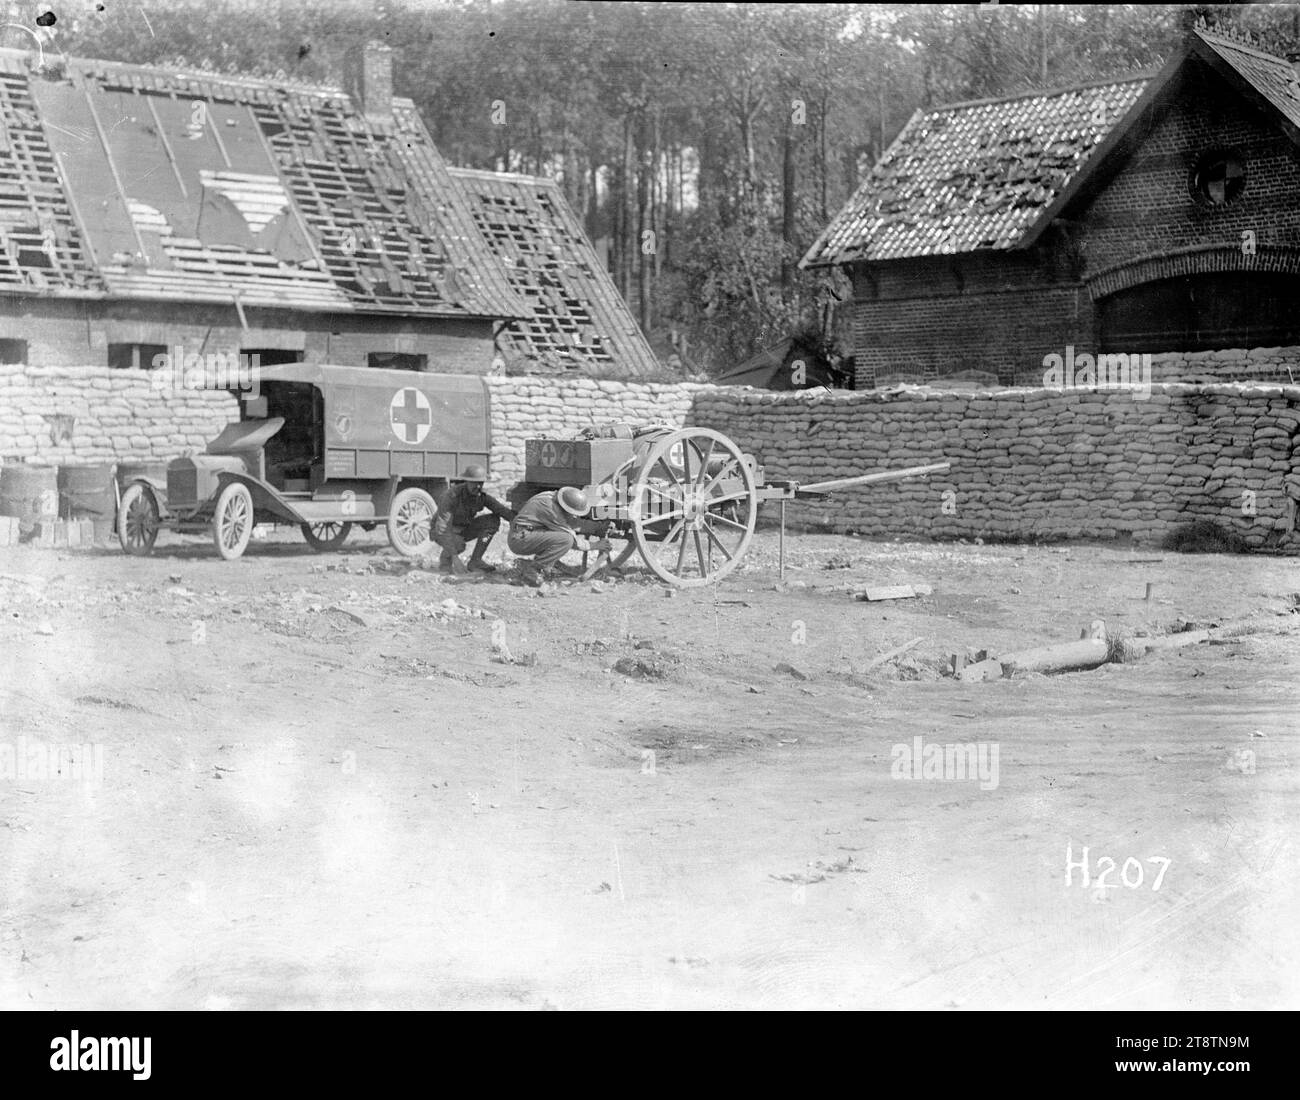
pixel 871 479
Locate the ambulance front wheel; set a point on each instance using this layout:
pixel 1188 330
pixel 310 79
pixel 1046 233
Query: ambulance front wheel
pixel 410 522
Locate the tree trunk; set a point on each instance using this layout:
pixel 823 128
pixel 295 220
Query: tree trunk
pixel 645 224
pixel 880 99
pixel 628 247
pixel 788 199
pixel 581 195
pixel 681 185
pixel 591 210
pixel 751 160
pixel 825 167
pixel 1042 44
pixel 615 218
pixel 657 202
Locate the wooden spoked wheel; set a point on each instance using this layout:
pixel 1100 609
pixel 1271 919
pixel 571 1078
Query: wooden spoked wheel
pixel 410 522
pixel 232 520
pixel 693 508
pixel 138 520
pixel 326 536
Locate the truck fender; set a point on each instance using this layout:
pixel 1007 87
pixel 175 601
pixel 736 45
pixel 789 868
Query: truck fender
pixel 265 499
pixel 158 488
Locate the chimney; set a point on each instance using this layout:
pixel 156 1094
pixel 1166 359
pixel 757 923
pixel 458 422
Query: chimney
pixel 370 80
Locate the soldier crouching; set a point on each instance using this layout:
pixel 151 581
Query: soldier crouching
pixel 543 531
pixel 467 514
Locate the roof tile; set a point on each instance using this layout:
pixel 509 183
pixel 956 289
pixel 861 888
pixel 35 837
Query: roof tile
pixel 973 176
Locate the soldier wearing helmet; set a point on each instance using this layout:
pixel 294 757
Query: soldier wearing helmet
pixel 465 514
pixel 543 531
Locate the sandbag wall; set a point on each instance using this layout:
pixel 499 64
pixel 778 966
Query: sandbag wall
pixel 1281 365
pixel 528 407
pixel 1027 463
pixel 88 415
pixel 1034 464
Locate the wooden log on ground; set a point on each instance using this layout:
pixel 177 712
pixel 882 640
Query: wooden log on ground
pixel 885 658
pixel 1175 641
pixel 1240 627
pixel 1065 657
pixel 1133 648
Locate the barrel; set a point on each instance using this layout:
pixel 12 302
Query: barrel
pixel 88 492
pixel 29 492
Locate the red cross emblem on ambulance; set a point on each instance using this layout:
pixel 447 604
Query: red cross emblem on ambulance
pixel 411 415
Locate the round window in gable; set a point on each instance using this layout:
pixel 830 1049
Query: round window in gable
pixel 1218 179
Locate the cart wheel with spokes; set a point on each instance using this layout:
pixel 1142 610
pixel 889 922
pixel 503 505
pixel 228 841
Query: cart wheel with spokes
pixel 693 508
pixel 329 535
pixel 137 519
pixel 410 521
pixel 232 521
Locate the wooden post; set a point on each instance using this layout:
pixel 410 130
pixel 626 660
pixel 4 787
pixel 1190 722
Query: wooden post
pixel 780 552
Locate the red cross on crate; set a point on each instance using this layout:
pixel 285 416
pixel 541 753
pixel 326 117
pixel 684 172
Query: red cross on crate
pixel 411 415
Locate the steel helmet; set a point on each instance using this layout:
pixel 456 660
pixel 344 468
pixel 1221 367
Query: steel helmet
pixel 473 473
pixel 574 501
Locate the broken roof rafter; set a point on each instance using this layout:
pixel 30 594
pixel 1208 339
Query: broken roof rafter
pixel 577 317
pixel 257 144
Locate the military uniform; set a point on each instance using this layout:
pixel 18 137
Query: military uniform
pixel 542 530
pixel 466 514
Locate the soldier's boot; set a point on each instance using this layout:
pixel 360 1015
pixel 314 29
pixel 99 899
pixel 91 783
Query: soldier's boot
pixel 449 562
pixel 476 561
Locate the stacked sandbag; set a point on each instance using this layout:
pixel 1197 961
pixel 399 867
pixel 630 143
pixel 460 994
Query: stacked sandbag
pixel 532 407
pixel 1033 464
pixel 1230 365
pixel 92 415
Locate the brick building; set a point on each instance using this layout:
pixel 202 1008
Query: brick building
pixel 1154 213
pixel 143 208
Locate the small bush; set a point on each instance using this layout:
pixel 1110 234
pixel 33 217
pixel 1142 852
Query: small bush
pixel 1204 537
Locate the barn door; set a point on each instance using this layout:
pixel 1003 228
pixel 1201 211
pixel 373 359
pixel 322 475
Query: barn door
pixel 1203 312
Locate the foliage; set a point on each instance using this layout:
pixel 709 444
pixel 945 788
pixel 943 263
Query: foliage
pixel 708 144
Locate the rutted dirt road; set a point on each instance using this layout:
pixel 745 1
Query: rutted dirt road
pixel 323 787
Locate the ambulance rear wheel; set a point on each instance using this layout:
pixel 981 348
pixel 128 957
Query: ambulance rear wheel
pixel 232 521
pixel 326 536
pixel 410 522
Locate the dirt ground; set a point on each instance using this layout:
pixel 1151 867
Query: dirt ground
pixel 324 787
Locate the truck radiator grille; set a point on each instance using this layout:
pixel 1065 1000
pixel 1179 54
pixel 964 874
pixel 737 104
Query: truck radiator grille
pixel 182 486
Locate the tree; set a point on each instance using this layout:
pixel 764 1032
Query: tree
pixel 771 113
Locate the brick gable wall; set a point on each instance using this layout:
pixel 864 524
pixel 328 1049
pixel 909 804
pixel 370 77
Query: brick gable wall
pixel 1148 207
pixel 1000 313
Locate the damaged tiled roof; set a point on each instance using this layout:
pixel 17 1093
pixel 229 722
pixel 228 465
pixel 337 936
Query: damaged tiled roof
pixel 127 181
pixel 973 176
pixel 979 176
pixel 576 316
pixel 1273 77
pixel 41 246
